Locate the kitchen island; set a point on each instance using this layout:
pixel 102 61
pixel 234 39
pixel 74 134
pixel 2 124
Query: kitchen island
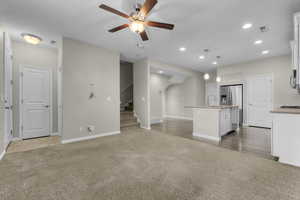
pixel 213 122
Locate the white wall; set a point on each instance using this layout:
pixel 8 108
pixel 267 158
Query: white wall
pixel 141 76
pixel 2 134
pixel 212 90
pixel 158 84
pixel 44 57
pixel 83 65
pixel 279 67
pixel 189 93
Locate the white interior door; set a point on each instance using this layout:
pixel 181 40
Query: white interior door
pixel 8 101
pixel 35 108
pixel 260 101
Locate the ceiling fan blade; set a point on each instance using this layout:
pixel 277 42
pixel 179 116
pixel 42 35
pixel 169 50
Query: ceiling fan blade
pixel 160 25
pixel 144 36
pixel 147 7
pixel 119 28
pixel 112 10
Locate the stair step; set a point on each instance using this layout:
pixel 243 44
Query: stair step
pixel 127 116
pixel 127 113
pixel 129 124
pixel 128 120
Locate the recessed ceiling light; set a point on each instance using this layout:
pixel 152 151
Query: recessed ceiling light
pixel 31 39
pixel 206 76
pixel 247 26
pixel 215 63
pixel 160 72
pixel 258 42
pixel 265 52
pixel 182 49
pixel 218 79
pixel 202 57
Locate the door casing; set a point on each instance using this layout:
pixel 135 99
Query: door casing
pixel 8 102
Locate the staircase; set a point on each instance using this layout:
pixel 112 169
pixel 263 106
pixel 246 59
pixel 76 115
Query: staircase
pixel 128 120
pixel 126 98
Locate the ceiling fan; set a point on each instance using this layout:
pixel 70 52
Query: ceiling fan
pixel 137 20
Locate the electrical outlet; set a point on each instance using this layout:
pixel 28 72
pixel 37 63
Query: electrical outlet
pixel 80 128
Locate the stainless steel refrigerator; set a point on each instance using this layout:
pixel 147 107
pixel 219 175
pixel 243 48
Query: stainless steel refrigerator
pixel 232 95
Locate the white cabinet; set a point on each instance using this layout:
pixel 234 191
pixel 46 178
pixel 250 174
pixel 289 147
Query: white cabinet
pixel 296 48
pixel 294 54
pixel 225 121
pixel 286 138
pixel 214 122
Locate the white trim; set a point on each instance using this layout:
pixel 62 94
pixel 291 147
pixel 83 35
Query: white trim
pixel 21 70
pixel 207 137
pixel 178 117
pixel 148 96
pixel 16 139
pixel 90 137
pixel 59 100
pixel 55 134
pixel 134 114
pixel 60 86
pixel 288 163
pixel 7 55
pixel 2 155
pixel 245 125
pixel 156 121
pixel 147 128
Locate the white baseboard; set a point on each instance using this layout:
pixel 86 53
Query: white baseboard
pixel 55 134
pixel 178 117
pixel 16 139
pixel 216 139
pixel 147 128
pixel 245 125
pixel 2 155
pixel 289 163
pixel 89 137
pixel 156 121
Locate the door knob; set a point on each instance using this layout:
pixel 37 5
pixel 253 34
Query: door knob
pixel 47 106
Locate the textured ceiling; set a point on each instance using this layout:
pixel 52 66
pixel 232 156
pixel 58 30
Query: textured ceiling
pixel 211 24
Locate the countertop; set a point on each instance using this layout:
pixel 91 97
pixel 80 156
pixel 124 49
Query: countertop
pixel 212 107
pixel 286 111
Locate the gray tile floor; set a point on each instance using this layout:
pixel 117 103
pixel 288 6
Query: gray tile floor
pixel 256 141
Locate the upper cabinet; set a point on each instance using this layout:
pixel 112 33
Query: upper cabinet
pixel 295 45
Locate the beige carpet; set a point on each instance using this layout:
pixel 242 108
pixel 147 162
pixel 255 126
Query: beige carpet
pixel 142 166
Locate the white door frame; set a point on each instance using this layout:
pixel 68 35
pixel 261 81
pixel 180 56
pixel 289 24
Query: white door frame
pixel 271 76
pixel 21 70
pixel 8 55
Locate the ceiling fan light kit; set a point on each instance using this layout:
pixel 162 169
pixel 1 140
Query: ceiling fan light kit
pixel 137 26
pixel 137 21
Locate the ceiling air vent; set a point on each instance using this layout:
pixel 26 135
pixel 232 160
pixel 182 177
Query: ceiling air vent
pixel 263 29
